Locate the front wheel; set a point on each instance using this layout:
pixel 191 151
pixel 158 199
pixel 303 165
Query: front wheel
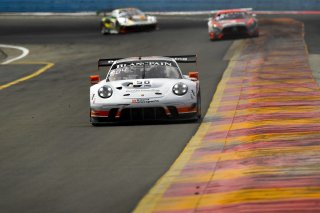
pixel 103 29
pixel 93 123
pixel 198 115
pixel 117 28
pixel 256 34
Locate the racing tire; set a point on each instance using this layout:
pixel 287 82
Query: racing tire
pixel 153 27
pixel 94 123
pixel 197 116
pixel 198 106
pixel 256 34
pixel 117 28
pixel 103 29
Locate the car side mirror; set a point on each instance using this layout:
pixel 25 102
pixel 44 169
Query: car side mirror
pixel 194 76
pixel 94 79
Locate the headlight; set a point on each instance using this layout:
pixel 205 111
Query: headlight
pixel 122 20
pixel 105 92
pixel 180 89
pixel 152 18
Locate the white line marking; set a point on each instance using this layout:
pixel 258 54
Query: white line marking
pixel 24 51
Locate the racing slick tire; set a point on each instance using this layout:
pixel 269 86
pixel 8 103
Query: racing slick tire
pixel 256 34
pixel 117 28
pixel 214 39
pixel 197 115
pixel 198 106
pixel 103 29
pixel 94 123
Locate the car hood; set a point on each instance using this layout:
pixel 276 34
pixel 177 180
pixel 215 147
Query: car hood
pixel 138 18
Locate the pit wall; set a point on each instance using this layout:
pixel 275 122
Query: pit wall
pixel 154 5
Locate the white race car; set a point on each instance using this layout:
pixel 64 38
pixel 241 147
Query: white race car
pixel 127 20
pixel 144 89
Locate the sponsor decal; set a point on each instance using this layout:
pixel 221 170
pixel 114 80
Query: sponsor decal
pixel 142 90
pixel 181 59
pixel 143 101
pixel 146 63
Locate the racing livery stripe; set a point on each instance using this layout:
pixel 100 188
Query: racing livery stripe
pixel 257 148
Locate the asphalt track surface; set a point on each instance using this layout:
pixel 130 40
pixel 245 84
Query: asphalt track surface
pixel 51 158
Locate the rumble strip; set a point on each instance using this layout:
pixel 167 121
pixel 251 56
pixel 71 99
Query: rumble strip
pixel 258 146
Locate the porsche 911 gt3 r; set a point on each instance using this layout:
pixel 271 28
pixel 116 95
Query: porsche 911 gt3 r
pixel 127 19
pixel 145 88
pixel 232 23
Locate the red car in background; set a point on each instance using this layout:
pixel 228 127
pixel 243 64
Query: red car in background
pixel 237 22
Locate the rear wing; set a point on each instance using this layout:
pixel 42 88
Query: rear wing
pixel 107 62
pixel 179 59
pixel 249 10
pixel 184 58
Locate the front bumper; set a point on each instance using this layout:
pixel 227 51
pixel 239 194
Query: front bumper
pixel 138 27
pixel 156 113
pixel 232 31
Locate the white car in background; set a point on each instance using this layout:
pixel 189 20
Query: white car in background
pixel 144 89
pixel 127 20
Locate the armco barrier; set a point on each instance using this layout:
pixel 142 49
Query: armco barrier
pixel 153 5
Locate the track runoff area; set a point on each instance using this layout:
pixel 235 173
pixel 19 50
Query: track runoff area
pixel 256 149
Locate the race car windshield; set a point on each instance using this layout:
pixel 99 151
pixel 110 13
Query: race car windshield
pixel 143 70
pixel 129 13
pixel 230 16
